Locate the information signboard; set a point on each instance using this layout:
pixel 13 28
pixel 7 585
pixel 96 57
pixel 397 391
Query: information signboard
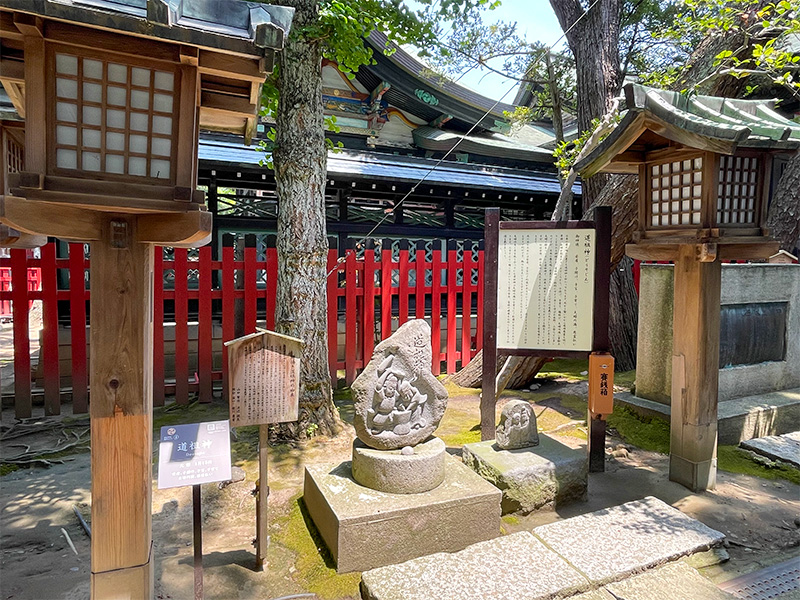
pixel 264 378
pixel 193 454
pixel 545 289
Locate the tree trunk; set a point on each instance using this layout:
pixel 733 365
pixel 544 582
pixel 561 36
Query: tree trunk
pixel 300 163
pixel 593 38
pixel 783 219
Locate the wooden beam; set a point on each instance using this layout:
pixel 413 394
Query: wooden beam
pixel 185 230
pixel 186 154
pixel 695 371
pixel 121 348
pixel 29 25
pixel 8 28
pixel 225 103
pixel 35 105
pixel 16 93
pixel 234 67
pixel 57 220
pixel 12 70
pixel 99 39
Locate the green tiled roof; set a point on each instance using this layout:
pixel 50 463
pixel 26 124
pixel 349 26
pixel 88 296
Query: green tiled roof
pixel 704 122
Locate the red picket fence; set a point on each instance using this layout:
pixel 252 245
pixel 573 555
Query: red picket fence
pixel 197 299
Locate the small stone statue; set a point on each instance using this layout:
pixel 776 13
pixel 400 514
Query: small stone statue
pixel 517 428
pixel 398 401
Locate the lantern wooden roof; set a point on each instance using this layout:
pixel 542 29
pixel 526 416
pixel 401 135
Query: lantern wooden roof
pixel 654 122
pixel 230 41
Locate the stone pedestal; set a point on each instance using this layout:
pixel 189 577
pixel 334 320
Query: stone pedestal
pixel 365 529
pixel 404 471
pixel 551 473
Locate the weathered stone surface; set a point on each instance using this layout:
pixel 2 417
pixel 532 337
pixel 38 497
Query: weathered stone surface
pixel 365 528
pixel 777 447
pixel 398 401
pixel 512 567
pixel 551 473
pixel 626 539
pixel 675 580
pixel 517 428
pixel 398 472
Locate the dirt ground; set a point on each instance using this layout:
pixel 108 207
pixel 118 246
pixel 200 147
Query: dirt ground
pixel 760 517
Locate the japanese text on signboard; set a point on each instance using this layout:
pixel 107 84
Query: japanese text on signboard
pixel 545 289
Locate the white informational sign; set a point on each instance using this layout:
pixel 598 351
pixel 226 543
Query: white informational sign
pixel 193 454
pixel 264 378
pixel 545 289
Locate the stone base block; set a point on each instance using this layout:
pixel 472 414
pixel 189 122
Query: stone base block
pixel 397 473
pixel 365 529
pixel 551 473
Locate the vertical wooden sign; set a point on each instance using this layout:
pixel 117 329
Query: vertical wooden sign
pixel 263 388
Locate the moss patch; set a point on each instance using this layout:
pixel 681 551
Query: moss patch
pixel 573 370
pixel 315 567
pixel 343 399
pixel 459 427
pixel 736 460
pixel 647 433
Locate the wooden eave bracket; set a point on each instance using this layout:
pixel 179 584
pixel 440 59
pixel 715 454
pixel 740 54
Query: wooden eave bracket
pixel 13 238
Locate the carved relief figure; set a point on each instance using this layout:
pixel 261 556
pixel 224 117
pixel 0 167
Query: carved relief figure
pixel 397 404
pixel 517 428
pixel 397 400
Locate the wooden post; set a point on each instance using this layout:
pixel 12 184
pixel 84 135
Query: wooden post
pixel 695 369
pixel 488 399
pixel 262 524
pixel 121 412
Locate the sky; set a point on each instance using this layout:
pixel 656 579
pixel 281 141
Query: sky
pixel 536 21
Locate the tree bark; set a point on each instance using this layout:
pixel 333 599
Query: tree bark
pixel 593 38
pixel 300 163
pixel 783 219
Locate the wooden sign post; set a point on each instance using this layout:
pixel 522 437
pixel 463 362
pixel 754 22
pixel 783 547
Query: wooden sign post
pixel 263 388
pixel 546 294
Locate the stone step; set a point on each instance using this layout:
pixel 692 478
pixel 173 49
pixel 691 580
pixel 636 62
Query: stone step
pixel 740 419
pixel 557 560
pixel 785 447
pixel 675 580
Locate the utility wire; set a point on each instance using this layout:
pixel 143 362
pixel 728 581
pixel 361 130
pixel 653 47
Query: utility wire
pixel 464 136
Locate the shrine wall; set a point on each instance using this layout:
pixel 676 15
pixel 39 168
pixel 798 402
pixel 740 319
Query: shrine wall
pixel 771 290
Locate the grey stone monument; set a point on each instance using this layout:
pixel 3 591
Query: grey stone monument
pixel 398 405
pixel 398 401
pixel 402 496
pixel 517 428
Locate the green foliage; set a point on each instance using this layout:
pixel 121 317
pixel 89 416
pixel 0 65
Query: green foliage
pixel 765 33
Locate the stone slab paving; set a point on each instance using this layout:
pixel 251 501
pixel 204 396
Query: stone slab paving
pixel 512 567
pixel 613 543
pixel 675 580
pixel 777 447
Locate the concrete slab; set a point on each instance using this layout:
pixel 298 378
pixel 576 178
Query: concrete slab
pixel 739 419
pixel 552 473
pixel 785 447
pixel 365 528
pixel 675 580
pixel 512 567
pixel 611 544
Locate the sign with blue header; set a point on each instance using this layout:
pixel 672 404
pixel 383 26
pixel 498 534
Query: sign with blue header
pixel 193 454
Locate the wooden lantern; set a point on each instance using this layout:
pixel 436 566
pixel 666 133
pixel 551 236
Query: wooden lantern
pixel 113 95
pixel 704 167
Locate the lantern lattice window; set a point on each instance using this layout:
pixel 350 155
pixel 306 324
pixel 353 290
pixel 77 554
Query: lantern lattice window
pixel 676 192
pixel 15 155
pixel 737 200
pixel 119 115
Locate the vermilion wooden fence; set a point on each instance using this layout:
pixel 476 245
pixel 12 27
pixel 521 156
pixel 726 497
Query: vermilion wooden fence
pixel 197 300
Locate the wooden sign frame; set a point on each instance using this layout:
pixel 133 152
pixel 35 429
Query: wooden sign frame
pixel 602 274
